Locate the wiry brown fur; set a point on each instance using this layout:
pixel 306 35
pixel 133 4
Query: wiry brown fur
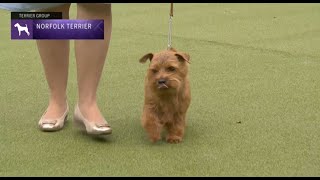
pixel 165 106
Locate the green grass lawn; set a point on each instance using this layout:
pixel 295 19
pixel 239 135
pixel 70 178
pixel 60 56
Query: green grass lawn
pixel 258 64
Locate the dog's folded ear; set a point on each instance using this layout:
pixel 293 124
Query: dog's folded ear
pixel 183 56
pixel 146 57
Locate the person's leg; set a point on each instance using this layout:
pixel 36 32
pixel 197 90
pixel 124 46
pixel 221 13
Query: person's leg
pixel 90 57
pixel 55 59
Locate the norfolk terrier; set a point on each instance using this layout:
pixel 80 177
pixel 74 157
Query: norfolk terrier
pixel 167 95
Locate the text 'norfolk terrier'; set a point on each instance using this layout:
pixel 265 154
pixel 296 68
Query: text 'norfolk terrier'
pixel 167 95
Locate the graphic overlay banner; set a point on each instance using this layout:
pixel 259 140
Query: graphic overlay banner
pixel 35 26
pixel 36 15
pixel 21 29
pixel 68 29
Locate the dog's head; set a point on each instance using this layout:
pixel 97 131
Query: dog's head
pixel 15 25
pixel 167 69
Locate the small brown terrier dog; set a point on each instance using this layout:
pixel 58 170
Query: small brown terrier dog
pixel 167 95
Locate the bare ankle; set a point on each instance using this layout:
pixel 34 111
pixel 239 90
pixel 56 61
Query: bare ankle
pixel 87 102
pixel 61 102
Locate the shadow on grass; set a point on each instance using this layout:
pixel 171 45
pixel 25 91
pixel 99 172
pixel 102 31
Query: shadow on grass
pixel 96 138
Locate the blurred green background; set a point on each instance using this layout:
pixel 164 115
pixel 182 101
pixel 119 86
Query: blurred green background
pixel 255 96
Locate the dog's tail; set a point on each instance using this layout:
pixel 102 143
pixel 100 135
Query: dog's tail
pixel 26 25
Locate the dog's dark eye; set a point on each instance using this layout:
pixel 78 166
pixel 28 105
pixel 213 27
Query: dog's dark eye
pixel 171 68
pixel 154 71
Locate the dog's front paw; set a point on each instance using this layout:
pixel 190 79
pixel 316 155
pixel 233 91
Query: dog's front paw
pixel 154 140
pixel 174 140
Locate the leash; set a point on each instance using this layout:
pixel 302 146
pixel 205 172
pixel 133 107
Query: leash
pixel 170 28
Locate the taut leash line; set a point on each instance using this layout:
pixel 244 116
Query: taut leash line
pixel 170 28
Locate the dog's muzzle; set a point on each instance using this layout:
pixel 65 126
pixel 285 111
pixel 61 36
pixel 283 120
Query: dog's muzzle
pixel 162 84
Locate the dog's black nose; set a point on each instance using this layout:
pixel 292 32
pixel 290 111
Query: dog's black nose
pixel 161 81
